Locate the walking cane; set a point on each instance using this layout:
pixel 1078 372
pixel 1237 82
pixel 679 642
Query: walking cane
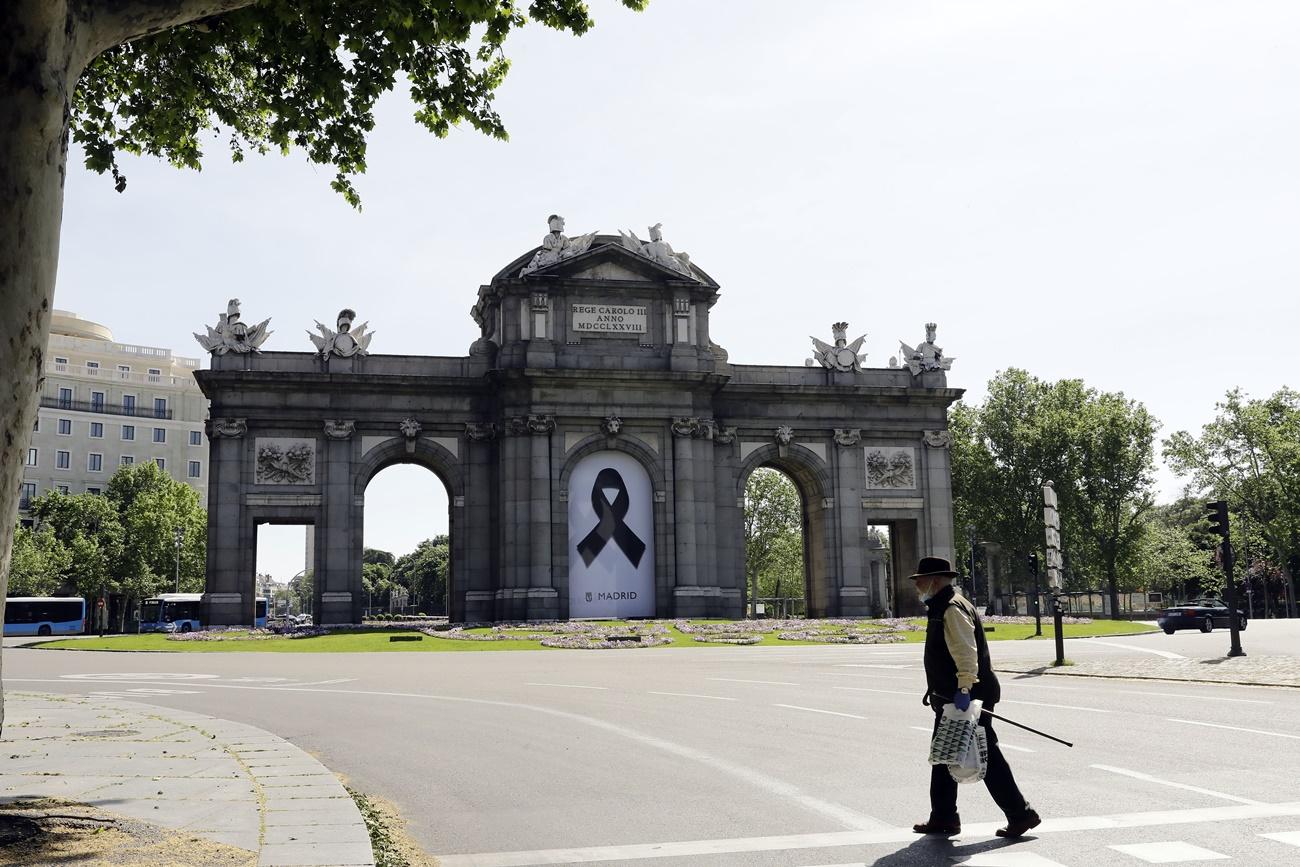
pixel 1010 721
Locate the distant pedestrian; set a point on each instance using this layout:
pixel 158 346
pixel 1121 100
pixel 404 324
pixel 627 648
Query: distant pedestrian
pixel 957 665
pixel 101 616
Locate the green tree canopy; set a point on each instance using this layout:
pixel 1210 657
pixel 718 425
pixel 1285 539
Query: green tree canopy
pixel 41 564
pixel 424 573
pixel 773 534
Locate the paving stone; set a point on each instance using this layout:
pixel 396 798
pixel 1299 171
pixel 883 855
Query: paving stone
pixel 333 854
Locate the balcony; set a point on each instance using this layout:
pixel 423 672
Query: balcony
pixel 123 375
pixel 104 408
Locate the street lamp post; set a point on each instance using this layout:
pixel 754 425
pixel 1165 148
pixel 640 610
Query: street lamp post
pixel 974 590
pixel 178 536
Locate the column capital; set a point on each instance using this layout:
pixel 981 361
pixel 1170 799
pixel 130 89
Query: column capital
pixel 228 428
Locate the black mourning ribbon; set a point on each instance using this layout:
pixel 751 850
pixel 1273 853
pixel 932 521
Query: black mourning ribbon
pixel 611 524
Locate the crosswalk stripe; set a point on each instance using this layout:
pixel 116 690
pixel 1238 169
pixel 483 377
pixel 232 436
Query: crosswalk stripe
pixel 1171 852
pixel 1006 859
pixel 1291 838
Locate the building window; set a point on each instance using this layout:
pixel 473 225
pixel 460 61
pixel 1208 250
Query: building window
pixel 92 367
pixel 127 460
pixel 96 430
pixel 155 375
pixel 124 371
pixel 196 469
pixel 65 397
pixel 160 434
pixel 64 489
pixel 94 492
pixel 160 407
pixel 33 457
pixel 97 401
pixel 26 493
pixel 161 462
pixel 58 360
pixel 95 463
pixel 62 460
pixel 128 404
pixel 196 437
pixel 65 427
pixel 128 431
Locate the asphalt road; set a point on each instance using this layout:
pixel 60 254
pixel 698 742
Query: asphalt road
pixel 752 756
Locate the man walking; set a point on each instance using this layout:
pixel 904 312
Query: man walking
pixel 957 665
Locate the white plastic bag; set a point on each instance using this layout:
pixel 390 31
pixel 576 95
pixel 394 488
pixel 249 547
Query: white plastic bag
pixel 955 734
pixel 973 764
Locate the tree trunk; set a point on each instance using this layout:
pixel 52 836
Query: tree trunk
pixel 40 61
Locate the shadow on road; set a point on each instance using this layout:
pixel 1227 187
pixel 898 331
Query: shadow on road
pixel 930 850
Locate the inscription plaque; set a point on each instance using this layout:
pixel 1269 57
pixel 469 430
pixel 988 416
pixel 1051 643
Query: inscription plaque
pixel 609 319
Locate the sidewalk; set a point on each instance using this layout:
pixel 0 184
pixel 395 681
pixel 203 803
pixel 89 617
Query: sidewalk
pixel 206 777
pixel 1244 670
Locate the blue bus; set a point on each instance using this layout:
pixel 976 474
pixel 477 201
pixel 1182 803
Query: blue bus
pixel 45 615
pixel 179 612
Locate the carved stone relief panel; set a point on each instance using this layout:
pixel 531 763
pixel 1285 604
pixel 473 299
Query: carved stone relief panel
pixel 890 467
pixel 285 461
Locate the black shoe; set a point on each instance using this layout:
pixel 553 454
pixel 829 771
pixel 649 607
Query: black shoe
pixel 1018 826
pixel 948 829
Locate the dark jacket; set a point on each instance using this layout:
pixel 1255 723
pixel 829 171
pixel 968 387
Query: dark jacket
pixel 940 670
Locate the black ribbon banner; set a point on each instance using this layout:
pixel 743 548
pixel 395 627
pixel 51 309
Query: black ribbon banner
pixel 611 524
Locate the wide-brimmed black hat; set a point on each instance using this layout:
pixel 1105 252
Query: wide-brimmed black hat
pixel 933 567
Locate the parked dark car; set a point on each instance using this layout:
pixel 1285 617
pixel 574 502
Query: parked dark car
pixel 1202 614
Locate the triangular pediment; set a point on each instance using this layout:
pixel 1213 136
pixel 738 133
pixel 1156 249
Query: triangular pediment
pixel 606 259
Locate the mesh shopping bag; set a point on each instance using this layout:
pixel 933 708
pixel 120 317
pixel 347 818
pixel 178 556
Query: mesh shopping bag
pixel 955 734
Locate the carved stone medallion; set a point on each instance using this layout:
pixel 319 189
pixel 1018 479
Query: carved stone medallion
pixel 848 436
pixel 480 433
pixel 340 429
pixel 784 435
pixel 938 439
pixel 725 436
pixel 612 425
pixel 541 424
pixel 230 428
pixel 685 427
pixel 890 467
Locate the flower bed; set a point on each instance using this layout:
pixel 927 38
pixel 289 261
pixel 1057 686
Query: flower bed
pixel 729 638
pixel 842 637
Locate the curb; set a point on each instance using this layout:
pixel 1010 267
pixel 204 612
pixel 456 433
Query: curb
pixel 1058 673
pixel 226 781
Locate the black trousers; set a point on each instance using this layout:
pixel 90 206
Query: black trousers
pixel 999 781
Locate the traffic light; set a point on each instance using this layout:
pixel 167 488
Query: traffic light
pixel 1217 512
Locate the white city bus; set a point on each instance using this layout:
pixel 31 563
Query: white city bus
pixel 179 612
pixel 45 615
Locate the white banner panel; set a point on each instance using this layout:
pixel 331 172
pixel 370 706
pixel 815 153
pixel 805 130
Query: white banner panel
pixel 611 538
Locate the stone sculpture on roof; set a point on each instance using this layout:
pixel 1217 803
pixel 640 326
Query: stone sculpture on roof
pixel 556 246
pixel 658 250
pixel 927 355
pixel 843 356
pixel 347 341
pixel 233 335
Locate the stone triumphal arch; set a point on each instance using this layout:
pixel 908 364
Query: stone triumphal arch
pixel 595 444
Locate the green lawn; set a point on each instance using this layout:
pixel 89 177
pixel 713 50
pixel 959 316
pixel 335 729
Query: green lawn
pixel 369 641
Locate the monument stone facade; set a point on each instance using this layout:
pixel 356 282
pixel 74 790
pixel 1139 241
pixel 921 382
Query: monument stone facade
pixel 595 444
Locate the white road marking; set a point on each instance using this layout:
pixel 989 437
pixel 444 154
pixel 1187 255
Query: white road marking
pixel 913 693
pixel 1203 697
pixel 1291 838
pixel 324 682
pixel 566 685
pixel 1061 706
pixel 1192 722
pixel 1163 653
pixel 1035 685
pixel 742 680
pixel 1005 859
pixel 819 710
pixel 152 675
pixel 772 785
pixel 871 675
pixel 1172 852
pixel 692 695
pixel 258 679
pixel 698 848
pixel 1138 775
pixel 868 665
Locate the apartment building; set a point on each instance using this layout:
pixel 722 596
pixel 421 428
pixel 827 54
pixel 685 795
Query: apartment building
pixel 107 404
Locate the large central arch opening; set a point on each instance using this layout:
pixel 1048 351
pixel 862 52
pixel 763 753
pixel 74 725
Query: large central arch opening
pixel 406 543
pixel 776 568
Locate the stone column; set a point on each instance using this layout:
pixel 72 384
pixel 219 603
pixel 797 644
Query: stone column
pixel 514 484
pixel 338 585
pixel 542 599
pixel 686 586
pixel 729 527
pixel 857 596
pixel 938 495
pixel 228 539
pixel 474 593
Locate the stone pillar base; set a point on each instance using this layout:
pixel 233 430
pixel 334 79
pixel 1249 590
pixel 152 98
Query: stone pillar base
pixel 527 603
pixel 479 605
pixel 694 601
pixel 222 609
pixel 335 607
pixel 856 602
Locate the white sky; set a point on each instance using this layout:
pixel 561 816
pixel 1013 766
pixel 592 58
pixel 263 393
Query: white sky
pixel 1105 190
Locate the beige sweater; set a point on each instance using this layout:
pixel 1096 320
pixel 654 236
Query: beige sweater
pixel 959 635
